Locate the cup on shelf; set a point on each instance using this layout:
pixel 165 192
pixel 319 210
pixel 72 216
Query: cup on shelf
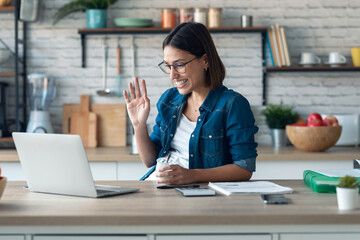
pixel 355 54
pixel 336 59
pixel 309 59
pixel 246 21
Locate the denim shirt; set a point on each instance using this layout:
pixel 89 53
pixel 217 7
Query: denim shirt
pixel 224 133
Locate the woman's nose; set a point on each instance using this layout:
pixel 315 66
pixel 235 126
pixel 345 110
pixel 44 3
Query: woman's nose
pixel 173 73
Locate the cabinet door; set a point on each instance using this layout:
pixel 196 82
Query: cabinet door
pixel 12 237
pixel 97 237
pixel 215 237
pixel 320 236
pixel 104 170
pixel 131 170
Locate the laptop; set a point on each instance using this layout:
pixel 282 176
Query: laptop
pixel 57 164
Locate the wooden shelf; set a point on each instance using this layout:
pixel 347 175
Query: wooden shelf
pixel 311 69
pixel 6 139
pixel 7 9
pixel 152 30
pixel 7 74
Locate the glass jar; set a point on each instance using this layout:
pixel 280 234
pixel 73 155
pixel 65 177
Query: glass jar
pixel 186 15
pixel 168 18
pixel 215 17
pixel 200 15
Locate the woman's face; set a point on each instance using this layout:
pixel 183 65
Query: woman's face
pixel 192 76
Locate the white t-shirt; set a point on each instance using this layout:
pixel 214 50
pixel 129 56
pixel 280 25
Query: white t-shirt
pixel 179 146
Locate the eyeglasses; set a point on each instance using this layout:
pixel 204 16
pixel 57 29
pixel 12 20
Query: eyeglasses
pixel 178 66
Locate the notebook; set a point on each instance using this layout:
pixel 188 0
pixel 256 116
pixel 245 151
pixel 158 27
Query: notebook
pixel 249 188
pixel 57 164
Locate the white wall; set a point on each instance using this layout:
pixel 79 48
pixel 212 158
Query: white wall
pixel 321 26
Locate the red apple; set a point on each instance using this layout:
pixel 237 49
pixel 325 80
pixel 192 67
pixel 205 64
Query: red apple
pixel 331 121
pixel 314 120
pixel 299 124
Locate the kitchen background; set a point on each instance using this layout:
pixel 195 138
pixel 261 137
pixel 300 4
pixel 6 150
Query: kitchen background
pixel 321 26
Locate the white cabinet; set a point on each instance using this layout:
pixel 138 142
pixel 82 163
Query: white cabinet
pixel 12 170
pixel 104 170
pixel 215 237
pixel 292 169
pixel 131 170
pixel 99 170
pixel 12 237
pixel 320 236
pixel 98 237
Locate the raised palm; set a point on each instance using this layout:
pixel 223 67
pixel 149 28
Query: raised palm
pixel 139 105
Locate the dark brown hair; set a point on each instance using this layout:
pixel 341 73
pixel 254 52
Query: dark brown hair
pixel 196 39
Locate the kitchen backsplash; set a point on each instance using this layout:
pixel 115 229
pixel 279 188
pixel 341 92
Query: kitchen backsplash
pixel 321 26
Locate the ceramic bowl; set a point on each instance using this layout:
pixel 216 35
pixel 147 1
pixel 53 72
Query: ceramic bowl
pixel 4 55
pixel 313 139
pixel 133 22
pixel 3 181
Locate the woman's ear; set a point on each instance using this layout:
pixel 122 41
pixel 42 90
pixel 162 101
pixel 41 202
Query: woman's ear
pixel 205 62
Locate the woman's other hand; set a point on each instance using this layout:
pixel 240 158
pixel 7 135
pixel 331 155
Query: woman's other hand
pixel 139 105
pixel 175 175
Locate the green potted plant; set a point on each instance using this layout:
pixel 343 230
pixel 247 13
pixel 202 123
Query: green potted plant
pixel 277 117
pixel 95 11
pixel 347 192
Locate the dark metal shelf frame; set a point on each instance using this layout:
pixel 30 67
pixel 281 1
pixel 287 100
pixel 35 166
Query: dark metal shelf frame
pixel 20 104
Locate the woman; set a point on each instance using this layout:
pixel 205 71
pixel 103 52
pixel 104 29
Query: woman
pixel 206 127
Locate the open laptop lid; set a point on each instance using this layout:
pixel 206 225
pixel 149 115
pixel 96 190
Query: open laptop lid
pixel 55 163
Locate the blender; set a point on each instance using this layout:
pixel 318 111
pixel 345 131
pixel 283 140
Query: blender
pixel 42 91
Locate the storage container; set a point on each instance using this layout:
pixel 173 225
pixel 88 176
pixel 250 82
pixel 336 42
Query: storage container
pixel 186 15
pixel 215 17
pixel 200 15
pixel 168 18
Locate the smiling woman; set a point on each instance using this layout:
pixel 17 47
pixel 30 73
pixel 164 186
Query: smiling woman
pixel 205 129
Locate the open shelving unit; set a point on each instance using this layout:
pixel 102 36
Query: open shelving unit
pixel 262 30
pixel 19 67
pixel 102 31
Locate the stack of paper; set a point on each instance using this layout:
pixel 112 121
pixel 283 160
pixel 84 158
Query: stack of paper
pixel 249 188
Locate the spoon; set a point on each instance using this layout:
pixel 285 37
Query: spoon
pixel 106 91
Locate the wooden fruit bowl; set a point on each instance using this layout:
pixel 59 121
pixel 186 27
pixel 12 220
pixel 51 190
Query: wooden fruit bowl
pixel 313 139
pixel 3 181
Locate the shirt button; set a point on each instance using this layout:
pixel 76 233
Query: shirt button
pixel 199 119
pixel 201 109
pixel 191 155
pixel 171 135
pixel 193 135
pixel 210 136
pixel 164 151
pixel 174 116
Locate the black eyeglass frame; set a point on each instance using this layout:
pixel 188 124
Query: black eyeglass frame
pixel 164 70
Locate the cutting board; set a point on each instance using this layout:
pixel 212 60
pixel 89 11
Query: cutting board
pixel 111 124
pixel 84 123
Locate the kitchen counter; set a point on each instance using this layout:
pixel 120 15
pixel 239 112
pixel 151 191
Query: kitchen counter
pixel 266 153
pixel 156 211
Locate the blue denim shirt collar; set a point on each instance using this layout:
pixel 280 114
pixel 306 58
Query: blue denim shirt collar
pixel 209 103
